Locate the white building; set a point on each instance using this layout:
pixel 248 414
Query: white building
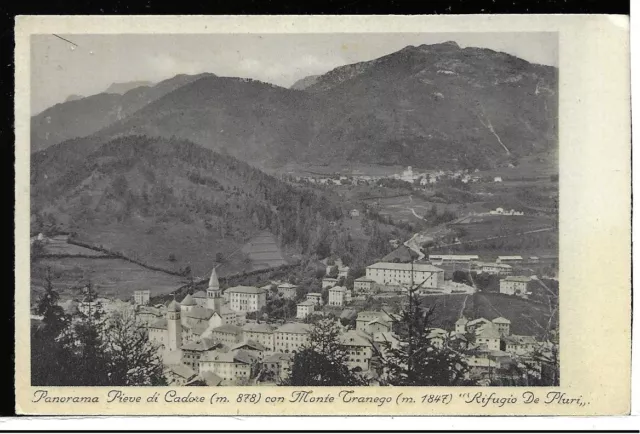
pixel 452 259
pixel 305 309
pixel 390 273
pixel 246 298
pixel 315 298
pixel 496 268
pixel 339 296
pixel 291 337
pixel 497 179
pixel 329 282
pixel 515 285
pixel 371 322
pixel 141 297
pixel 488 335
pixel 261 333
pixel 232 366
pixel 359 349
pixel 509 259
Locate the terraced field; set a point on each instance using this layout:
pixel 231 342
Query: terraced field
pixel 263 251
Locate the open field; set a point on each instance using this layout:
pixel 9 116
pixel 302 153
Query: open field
pixel 111 277
pixel 62 247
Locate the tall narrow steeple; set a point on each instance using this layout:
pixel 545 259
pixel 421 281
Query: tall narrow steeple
pixel 213 292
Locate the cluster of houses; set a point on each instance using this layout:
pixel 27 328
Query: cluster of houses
pixel 206 338
pixel 424 178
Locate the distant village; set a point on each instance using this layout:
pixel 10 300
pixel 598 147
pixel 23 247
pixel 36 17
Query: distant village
pixel 422 178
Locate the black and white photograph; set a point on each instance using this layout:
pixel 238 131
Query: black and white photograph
pixel 283 209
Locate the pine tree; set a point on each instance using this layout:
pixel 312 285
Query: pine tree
pixel 132 360
pixel 51 362
pixel 416 360
pixel 323 362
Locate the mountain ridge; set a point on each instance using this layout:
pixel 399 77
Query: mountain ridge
pixel 432 106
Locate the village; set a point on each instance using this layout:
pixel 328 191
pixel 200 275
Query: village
pixel 215 337
pixel 419 178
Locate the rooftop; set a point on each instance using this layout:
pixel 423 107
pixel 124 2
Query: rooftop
pixel 517 279
pixel 245 290
pixel 187 301
pixel 200 345
pixel 258 327
pixel 182 371
pixel 278 357
pixel 287 285
pixel 404 267
pixel 354 338
pixel 199 312
pixel 488 331
pixel 306 303
pixel 174 306
pixel 465 257
pixel 294 327
pixel 210 379
pixel 501 320
pixel 363 279
pixel 159 324
pixel 227 328
pixel 510 257
pixel 200 294
pixel 251 344
pixel 314 294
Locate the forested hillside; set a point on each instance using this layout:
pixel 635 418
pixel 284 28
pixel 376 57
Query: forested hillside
pixel 157 198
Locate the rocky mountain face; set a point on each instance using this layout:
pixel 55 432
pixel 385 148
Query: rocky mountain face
pixel 80 117
pixel 427 106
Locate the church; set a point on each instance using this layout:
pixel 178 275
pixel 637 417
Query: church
pixel 194 318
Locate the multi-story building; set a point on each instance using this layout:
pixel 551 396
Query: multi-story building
pixel 488 335
pixel 305 308
pixel 261 333
pixel 227 334
pixel 291 337
pixel 287 290
pixel 179 375
pixel 233 366
pixel 452 259
pixel 192 352
pixel 509 260
pixel 496 268
pixel 390 273
pixel 279 364
pixel 246 298
pixel 371 322
pixel 503 325
pixel 329 282
pixel 141 297
pixel 315 297
pixel 363 284
pixel 359 349
pixel 339 296
pixel 515 285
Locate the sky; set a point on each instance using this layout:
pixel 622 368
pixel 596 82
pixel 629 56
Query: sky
pixel 60 68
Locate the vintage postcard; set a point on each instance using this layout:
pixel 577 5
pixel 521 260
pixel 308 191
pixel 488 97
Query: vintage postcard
pixel 305 215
